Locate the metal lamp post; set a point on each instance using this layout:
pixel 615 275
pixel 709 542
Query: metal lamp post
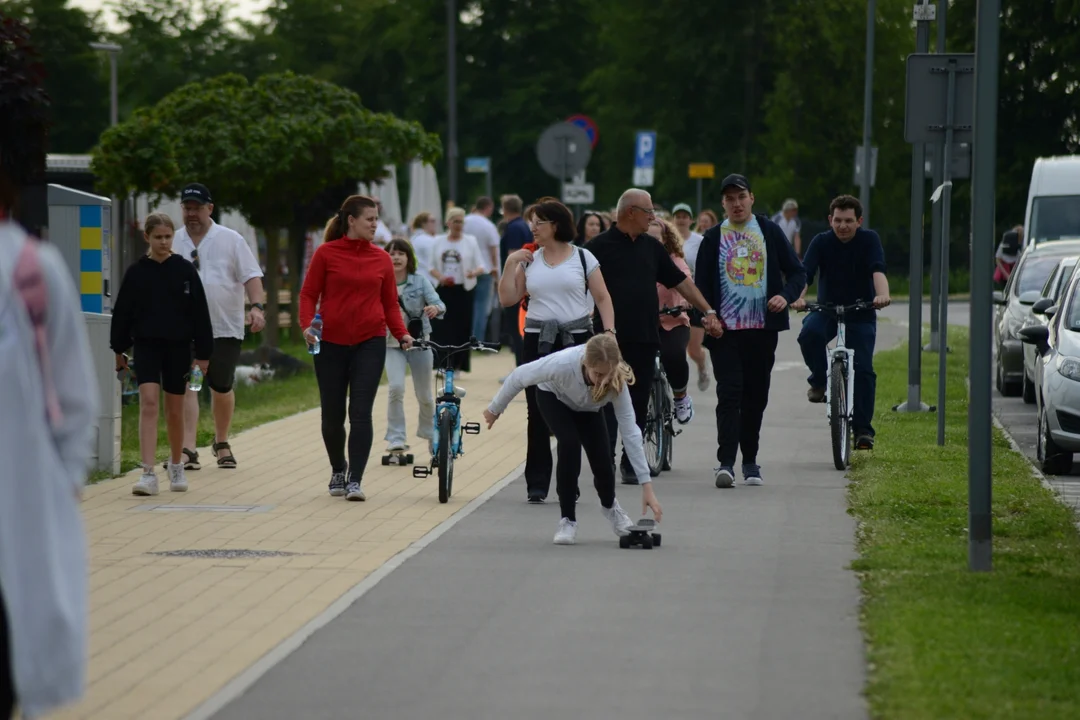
pixel 114 117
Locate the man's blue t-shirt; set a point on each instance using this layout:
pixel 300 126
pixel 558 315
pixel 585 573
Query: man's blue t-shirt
pixel 741 275
pixel 846 269
pixel 515 236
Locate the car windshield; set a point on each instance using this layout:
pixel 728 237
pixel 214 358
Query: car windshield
pixel 1033 274
pixel 1055 218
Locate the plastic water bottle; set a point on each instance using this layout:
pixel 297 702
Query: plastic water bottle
pixel 316 330
pixel 195 381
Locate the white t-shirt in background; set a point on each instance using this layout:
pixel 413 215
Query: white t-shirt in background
pixel 225 264
pixel 558 292
pixel 457 257
pixel 690 249
pixel 423 244
pixel 486 234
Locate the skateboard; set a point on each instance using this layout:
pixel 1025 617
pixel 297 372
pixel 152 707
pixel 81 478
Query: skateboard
pixel 643 534
pixel 397 456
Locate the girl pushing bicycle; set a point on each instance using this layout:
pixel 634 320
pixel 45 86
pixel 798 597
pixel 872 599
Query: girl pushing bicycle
pixel 572 386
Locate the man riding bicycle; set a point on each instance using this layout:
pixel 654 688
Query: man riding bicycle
pixel 852 265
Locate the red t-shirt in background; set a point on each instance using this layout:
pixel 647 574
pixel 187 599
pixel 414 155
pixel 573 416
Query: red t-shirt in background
pixel 352 282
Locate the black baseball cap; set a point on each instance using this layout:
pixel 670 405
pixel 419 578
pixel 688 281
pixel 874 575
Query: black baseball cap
pixel 735 180
pixel 197 192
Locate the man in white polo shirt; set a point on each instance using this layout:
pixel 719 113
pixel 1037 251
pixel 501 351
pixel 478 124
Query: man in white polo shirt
pixel 227 268
pixel 478 224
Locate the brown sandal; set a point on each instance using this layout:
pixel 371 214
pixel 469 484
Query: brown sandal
pixel 229 461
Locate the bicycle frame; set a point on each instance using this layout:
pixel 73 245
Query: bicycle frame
pixel 841 352
pixel 449 401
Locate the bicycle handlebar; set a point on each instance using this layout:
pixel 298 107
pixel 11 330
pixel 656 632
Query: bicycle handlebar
pixel 472 344
pixel 839 309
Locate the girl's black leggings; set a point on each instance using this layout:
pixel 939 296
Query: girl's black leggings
pixel 673 356
pixel 574 431
pixel 355 370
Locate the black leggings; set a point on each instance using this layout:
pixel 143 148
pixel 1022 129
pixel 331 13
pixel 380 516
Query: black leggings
pixel 7 680
pixel 673 357
pixel 574 431
pixel 538 453
pixel 357 370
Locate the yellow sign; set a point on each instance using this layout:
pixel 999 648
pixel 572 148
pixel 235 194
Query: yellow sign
pixel 702 170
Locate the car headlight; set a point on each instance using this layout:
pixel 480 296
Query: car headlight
pixel 1069 367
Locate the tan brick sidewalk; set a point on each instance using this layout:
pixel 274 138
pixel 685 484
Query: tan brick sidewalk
pixel 168 632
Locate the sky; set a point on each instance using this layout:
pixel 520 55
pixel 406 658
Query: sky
pixel 245 9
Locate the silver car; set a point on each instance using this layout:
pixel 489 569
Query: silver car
pixel 1051 294
pixel 1014 308
pixel 1057 381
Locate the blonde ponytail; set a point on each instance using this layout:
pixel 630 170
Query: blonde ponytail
pixel 602 353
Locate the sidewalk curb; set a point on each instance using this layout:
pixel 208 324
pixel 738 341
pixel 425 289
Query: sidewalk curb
pixel 246 679
pixel 1035 471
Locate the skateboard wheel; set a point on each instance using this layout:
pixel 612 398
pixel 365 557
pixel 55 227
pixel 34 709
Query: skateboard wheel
pixel 409 459
pixel 647 542
pixel 656 539
pixel 624 542
pixel 385 459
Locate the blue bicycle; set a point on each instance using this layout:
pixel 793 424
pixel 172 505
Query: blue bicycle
pixel 447 444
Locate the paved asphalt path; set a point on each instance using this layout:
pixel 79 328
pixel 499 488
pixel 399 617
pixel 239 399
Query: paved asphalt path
pixel 748 610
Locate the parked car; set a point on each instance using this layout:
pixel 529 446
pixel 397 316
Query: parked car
pixel 1051 293
pixel 1053 205
pixel 1014 308
pixel 1057 381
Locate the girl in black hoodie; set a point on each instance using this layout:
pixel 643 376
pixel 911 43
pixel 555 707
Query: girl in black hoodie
pixel 161 309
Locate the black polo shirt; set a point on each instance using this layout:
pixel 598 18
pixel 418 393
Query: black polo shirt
pixel 631 269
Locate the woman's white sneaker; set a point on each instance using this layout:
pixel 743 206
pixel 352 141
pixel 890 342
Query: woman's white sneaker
pixel 566 534
pixel 620 521
pixel 146 485
pixel 684 409
pixel 177 480
pixel 702 379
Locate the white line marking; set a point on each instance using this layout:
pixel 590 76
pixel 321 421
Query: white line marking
pixel 246 679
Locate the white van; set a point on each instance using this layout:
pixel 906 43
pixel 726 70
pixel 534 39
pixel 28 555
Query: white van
pixel 1053 206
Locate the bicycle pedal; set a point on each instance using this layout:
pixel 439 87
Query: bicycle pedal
pixel 421 471
pixel 472 428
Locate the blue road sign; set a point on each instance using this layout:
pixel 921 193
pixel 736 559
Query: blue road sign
pixel 477 164
pixel 644 157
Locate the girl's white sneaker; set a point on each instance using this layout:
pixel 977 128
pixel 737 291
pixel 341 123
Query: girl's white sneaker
pixel 566 534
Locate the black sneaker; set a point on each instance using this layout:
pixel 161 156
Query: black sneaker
pixel 864 441
pixel 629 477
pixel 337 484
pixel 536 499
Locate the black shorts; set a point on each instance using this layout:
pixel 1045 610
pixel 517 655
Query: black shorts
pixel 221 374
pixel 163 362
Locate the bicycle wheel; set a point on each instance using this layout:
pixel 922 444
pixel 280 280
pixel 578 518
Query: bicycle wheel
pixel 654 430
pixel 669 436
pixel 446 454
pixel 838 420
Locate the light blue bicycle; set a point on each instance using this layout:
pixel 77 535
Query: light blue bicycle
pixel 447 444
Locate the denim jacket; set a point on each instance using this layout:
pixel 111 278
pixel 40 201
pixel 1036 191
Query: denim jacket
pixel 416 294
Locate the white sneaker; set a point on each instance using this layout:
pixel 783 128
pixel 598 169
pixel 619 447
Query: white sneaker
pixel 620 521
pixel 147 484
pixel 684 409
pixel 177 480
pixel 567 532
pixel 724 477
pixel 703 379
pixel 353 492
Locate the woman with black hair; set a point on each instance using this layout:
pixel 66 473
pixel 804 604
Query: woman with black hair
pixel 351 281
pixel 589 225
pixel 562 282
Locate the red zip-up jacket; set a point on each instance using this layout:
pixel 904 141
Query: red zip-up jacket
pixel 352 281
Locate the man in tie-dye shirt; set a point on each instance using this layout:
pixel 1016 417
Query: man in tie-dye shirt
pixel 748 270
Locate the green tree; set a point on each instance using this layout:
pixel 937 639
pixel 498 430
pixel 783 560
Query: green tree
pixel 76 77
pixel 267 148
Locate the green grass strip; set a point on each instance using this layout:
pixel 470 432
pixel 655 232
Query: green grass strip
pixel 944 642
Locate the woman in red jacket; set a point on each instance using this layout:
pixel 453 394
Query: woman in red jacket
pixel 352 283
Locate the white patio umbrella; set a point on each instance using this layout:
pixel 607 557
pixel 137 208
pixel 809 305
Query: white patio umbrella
pixel 424 192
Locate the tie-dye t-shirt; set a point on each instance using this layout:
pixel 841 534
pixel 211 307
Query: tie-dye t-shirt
pixel 743 297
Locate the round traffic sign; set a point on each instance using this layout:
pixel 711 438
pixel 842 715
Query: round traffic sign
pixel 587 124
pixel 563 150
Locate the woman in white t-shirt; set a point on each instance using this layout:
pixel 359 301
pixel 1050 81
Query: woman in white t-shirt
pixel 562 282
pixel 456 262
pixel 423 242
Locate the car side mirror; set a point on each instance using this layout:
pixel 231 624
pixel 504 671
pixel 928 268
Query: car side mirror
pixel 1051 311
pixel 1037 335
pixel 1042 305
pixel 999 297
pixel 1030 297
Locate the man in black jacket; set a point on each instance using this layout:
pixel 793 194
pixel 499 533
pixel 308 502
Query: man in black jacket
pixel 750 273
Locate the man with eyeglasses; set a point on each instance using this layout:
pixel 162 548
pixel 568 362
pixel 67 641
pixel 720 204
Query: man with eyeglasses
pixel 633 263
pixel 227 268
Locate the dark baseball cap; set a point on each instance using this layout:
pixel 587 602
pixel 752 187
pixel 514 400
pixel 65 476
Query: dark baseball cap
pixel 197 192
pixel 735 180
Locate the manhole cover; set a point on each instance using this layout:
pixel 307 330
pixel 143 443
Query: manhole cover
pixel 223 554
pixel 204 508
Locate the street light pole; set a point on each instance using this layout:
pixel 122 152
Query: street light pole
pixel 451 91
pixel 113 50
pixel 868 98
pixel 115 261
